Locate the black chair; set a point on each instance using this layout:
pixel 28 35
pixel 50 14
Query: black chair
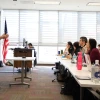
pixel 56 67
pixel 59 73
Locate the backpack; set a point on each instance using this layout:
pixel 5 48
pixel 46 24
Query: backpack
pixel 1 64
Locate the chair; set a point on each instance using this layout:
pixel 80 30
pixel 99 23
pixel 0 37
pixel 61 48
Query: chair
pixel 60 73
pixel 56 67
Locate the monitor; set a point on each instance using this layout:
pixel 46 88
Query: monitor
pixel 24 43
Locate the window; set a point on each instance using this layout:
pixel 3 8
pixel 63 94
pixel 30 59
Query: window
pixel 49 31
pixel 29 25
pixel 47 54
pixel 48 27
pixel 98 28
pixel 67 27
pixel 87 24
pixel 12 18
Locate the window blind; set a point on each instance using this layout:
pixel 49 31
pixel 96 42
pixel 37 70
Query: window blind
pixel 48 27
pixel 87 24
pixel 12 18
pixel 67 27
pixel 98 28
pixel 29 25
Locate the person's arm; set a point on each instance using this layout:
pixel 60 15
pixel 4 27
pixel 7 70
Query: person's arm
pixel 65 51
pixel 69 56
pixel 4 36
pixel 1 37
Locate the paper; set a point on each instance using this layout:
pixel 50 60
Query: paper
pixel 83 77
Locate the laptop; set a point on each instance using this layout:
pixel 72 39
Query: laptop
pixel 88 61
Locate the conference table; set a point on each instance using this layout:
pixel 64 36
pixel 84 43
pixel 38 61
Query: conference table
pixel 81 73
pixel 22 72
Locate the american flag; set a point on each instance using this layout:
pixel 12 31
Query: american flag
pixel 5 44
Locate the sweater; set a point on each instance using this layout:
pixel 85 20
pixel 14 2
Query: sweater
pixel 94 55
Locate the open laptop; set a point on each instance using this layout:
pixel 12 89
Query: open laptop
pixel 88 61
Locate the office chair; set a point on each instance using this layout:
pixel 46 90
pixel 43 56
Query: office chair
pixel 56 67
pixel 60 74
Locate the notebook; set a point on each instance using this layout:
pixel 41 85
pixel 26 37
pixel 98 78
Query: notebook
pixel 88 61
pixel 83 77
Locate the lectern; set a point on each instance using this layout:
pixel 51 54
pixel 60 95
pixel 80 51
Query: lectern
pixel 22 52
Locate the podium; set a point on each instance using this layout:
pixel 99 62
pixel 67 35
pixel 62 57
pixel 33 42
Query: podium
pixel 22 52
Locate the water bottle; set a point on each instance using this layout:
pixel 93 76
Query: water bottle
pixel 79 61
pixel 74 58
pixel 95 72
pixel 61 51
pixel 58 52
pixel 96 62
pixel 92 72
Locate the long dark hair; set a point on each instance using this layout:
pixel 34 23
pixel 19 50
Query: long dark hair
pixel 92 43
pixel 71 49
pixel 76 45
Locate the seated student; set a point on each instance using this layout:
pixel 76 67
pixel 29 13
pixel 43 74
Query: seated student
pixel 70 50
pixel 30 46
pixel 92 50
pixel 76 47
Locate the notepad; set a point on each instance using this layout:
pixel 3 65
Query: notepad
pixel 83 77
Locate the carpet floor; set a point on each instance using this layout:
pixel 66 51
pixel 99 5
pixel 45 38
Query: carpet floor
pixel 41 86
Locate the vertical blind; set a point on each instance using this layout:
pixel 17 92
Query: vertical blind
pixel 12 18
pixel 48 27
pixel 29 25
pixel 67 26
pixel 87 24
pixel 98 28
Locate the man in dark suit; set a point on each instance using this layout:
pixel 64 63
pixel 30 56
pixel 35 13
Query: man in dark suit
pixel 30 46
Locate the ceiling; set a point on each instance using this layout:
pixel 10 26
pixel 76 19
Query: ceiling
pixel 71 5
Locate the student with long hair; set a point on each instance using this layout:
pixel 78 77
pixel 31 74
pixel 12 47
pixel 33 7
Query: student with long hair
pixel 69 50
pixel 92 50
pixel 76 47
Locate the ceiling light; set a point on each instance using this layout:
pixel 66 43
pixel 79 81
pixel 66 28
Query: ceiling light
pixel 48 2
pixel 93 4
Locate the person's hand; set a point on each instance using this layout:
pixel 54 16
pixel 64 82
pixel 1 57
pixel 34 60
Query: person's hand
pixel 4 36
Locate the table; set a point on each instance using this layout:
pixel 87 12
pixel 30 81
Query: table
pixel 23 65
pixel 84 72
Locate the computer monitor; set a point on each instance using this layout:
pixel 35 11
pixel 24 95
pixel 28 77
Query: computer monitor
pixel 24 44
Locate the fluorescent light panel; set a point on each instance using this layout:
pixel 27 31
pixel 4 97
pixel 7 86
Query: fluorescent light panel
pixel 48 2
pixel 93 4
